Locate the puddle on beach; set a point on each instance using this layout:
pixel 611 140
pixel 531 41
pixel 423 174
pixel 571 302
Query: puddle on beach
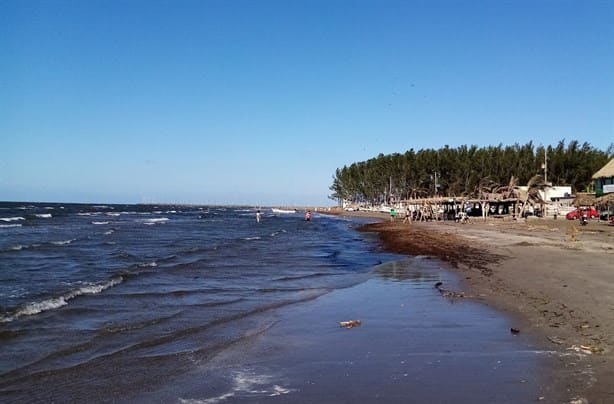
pixel 413 345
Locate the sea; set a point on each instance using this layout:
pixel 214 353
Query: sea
pixel 137 303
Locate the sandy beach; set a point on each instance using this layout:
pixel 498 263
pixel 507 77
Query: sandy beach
pixel 553 277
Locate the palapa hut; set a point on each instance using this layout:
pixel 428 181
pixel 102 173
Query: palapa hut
pixel 605 205
pixel 604 179
pixel 584 199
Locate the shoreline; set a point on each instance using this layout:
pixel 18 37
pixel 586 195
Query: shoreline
pixel 552 277
pixel 410 345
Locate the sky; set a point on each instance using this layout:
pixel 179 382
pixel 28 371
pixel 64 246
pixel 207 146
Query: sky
pixel 259 102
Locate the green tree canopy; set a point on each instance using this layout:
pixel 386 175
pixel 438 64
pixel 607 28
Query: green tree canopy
pixel 461 171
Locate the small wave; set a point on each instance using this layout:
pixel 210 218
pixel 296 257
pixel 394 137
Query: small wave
pixel 56 302
pixel 245 383
pixel 275 233
pixel 113 214
pixel 10 225
pixel 148 264
pixel 158 220
pixel 63 242
pixel 12 219
pixel 251 238
pixel 100 222
pixel 297 277
pixel 43 215
pixel 109 232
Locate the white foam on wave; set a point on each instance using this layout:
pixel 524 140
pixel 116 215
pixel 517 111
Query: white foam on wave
pixel 43 215
pixel 245 382
pixel 99 223
pixel 251 238
pixel 63 242
pixel 10 225
pixel 12 219
pixel 158 220
pixel 109 232
pixel 91 213
pixel 33 308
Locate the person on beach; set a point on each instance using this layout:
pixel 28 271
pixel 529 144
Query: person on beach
pixel 393 214
pixel 408 213
pixel 258 216
pixel 308 216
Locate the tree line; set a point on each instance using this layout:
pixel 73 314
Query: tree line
pixel 460 171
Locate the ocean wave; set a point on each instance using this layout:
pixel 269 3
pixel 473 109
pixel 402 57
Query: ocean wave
pixel 12 219
pixel 245 383
pixel 148 264
pixel 43 215
pixel 19 247
pixel 112 214
pixel 9 225
pixel 297 277
pixel 63 242
pixel 158 220
pixel 98 223
pixel 252 238
pixel 33 308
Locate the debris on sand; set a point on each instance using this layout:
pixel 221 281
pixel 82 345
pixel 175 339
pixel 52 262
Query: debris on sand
pixel 350 323
pixel 586 349
pixel 448 293
pixel 556 340
pixel 514 330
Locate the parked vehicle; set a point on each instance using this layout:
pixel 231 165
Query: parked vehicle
pixel 590 213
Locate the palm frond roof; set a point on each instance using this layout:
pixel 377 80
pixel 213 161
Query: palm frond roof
pixel 605 171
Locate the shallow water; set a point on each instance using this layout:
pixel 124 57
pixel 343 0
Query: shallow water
pixel 413 346
pixel 170 303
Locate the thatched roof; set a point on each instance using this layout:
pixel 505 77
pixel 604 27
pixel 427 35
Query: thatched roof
pixel 584 199
pixel 605 171
pixel 605 200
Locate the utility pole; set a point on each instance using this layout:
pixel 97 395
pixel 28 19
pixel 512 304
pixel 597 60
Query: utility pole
pixel 546 165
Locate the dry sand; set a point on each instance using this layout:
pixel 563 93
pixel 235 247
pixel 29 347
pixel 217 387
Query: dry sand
pixel 553 277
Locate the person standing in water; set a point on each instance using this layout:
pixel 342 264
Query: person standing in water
pixel 308 216
pixel 258 216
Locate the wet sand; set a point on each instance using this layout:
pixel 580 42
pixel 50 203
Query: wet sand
pixel 554 278
pixel 413 346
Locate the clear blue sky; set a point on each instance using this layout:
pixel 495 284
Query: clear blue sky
pixel 258 102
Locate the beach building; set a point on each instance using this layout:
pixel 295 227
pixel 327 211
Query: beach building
pixel 603 180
